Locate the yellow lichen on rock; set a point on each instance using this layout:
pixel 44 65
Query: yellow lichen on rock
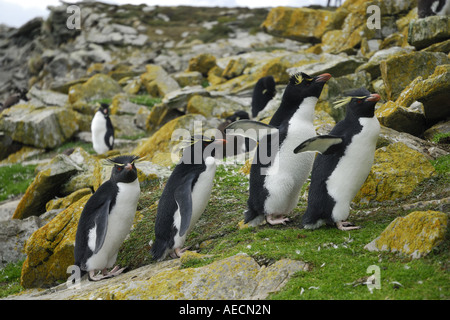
pixel 49 250
pixel 414 235
pixel 396 171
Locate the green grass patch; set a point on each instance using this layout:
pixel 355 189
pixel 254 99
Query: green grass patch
pixel 10 279
pixel 442 164
pixel 145 100
pixel 15 179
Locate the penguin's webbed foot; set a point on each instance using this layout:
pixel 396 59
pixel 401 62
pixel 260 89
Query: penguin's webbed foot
pixel 177 253
pixel 274 220
pixel 346 226
pixel 104 274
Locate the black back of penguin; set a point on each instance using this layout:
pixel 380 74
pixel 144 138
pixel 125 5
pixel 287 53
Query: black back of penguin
pixel 320 203
pixel 263 92
pixel 189 169
pixel 107 192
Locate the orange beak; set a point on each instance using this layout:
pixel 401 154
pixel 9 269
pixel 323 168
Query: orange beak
pixel 374 97
pixel 323 77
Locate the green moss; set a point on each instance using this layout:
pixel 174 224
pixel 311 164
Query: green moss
pixel 15 179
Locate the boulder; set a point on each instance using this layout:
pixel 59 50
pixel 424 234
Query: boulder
pixel 399 71
pixel 63 203
pixel 45 186
pixel 188 78
pixel 46 98
pixel 157 81
pixel 14 234
pixel 39 127
pixel 373 65
pixel 428 149
pixel 427 31
pixel 234 68
pixel 336 65
pixel 396 171
pixel 301 24
pixel 432 92
pixel 219 107
pixel 441 128
pixel 50 249
pixel 393 115
pixel 414 235
pixel 99 86
pixel 202 63
pixel 233 278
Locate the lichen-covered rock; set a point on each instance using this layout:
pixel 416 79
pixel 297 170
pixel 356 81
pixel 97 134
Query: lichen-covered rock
pixel 219 107
pixel 302 24
pixel 414 235
pixel 157 81
pixel 234 68
pixel 400 118
pixel 427 31
pixel 202 63
pixel 396 171
pixel 439 128
pixel 432 92
pixel 188 79
pixel 373 65
pixel 39 127
pixel 45 186
pixel 50 249
pixel 428 149
pixel 399 71
pixel 337 65
pixel 62 203
pixel 99 86
pixel 233 278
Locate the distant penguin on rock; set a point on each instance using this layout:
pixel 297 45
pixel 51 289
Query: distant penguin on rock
pixel 277 174
pixel 263 92
pixel 106 220
pixel 102 130
pixel 185 197
pixel 427 8
pixel 343 164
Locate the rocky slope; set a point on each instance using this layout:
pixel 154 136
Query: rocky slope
pixel 164 69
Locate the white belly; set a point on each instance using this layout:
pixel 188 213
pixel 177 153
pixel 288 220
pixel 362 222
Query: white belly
pixel 98 130
pixel 120 221
pixel 200 197
pixel 289 171
pixel 353 168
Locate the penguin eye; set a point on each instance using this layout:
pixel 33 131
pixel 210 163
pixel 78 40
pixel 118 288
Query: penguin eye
pixel 119 169
pixel 359 101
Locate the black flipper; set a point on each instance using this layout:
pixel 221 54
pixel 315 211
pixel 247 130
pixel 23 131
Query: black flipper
pixel 101 225
pixel 254 130
pixel 318 144
pixel 183 198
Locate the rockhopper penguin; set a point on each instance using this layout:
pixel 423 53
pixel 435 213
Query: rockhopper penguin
pixel 185 197
pixel 344 163
pixel 275 185
pixel 102 130
pixel 263 92
pixel 106 219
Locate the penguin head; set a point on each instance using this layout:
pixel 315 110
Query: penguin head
pixel 360 103
pixel 238 115
pixel 302 86
pixel 269 86
pixel 201 148
pixel 124 169
pixel 104 109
